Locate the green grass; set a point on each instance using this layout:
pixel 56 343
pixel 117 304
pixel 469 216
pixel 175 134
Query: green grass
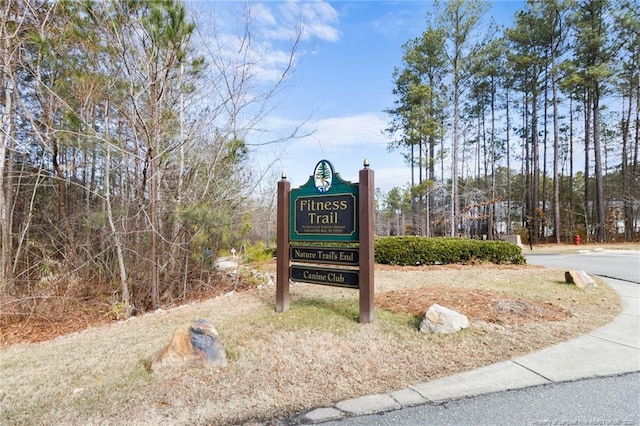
pixel 320 314
pixel 392 322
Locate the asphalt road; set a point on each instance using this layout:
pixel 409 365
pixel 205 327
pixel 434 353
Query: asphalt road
pixel 619 264
pixel 603 401
pixel 613 400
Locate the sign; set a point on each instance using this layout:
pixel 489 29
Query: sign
pixel 325 276
pixel 325 208
pixel 327 217
pixel 330 255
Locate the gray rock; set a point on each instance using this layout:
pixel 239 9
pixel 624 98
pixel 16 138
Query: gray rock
pixel 439 319
pixel 192 345
pixel 225 264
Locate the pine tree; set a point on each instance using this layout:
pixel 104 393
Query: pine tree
pixel 593 58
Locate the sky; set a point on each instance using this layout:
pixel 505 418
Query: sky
pixel 342 84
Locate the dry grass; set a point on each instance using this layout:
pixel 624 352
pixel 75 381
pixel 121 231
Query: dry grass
pixel 312 355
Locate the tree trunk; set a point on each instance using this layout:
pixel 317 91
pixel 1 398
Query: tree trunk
pixel 627 207
pixel 556 150
pixel 153 145
pixel 454 153
pixel 63 201
pixel 7 87
pixel 508 149
pixel 527 163
pixel 492 209
pixel 535 168
pixel 635 170
pixel 570 192
pixel 587 137
pixel 117 241
pixel 545 145
pixel 600 202
pixel 414 208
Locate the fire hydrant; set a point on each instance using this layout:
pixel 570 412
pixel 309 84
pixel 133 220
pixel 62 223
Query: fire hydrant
pixel 576 239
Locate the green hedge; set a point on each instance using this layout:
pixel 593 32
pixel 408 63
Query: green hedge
pixel 440 251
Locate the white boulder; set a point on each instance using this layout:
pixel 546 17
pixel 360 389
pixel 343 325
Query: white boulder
pixel 439 319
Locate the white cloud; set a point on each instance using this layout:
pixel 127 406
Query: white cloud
pixel 262 15
pixel 289 20
pixel 345 141
pixel 397 21
pixel 387 178
pixel 340 132
pixel 334 133
pixel 274 28
pixel 317 19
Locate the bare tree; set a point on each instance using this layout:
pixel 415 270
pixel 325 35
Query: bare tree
pixel 10 22
pixel 460 19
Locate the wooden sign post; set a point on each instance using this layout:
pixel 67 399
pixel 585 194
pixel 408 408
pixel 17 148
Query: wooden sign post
pixel 367 226
pixel 327 209
pixel 282 250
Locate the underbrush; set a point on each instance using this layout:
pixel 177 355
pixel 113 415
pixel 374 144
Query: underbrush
pixel 41 313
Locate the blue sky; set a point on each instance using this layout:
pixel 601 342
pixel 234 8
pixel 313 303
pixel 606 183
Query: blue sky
pixel 342 84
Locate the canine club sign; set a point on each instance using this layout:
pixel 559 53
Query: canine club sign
pixel 325 235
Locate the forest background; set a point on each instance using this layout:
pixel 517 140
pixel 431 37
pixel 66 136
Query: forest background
pixel 126 159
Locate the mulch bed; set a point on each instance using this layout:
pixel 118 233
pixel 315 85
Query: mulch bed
pixel 477 305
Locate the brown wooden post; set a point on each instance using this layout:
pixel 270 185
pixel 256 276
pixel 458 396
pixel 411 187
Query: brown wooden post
pixel 282 253
pixel 366 231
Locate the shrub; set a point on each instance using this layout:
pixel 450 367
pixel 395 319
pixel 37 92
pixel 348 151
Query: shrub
pixel 258 252
pixel 440 251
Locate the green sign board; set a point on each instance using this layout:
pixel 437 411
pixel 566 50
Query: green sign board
pixel 325 208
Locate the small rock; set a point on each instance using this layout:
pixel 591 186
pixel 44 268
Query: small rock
pixel 225 265
pixel 193 345
pixel 439 319
pixel 579 278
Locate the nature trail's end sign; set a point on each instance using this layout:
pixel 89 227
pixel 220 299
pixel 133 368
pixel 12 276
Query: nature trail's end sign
pixel 327 209
pixel 331 255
